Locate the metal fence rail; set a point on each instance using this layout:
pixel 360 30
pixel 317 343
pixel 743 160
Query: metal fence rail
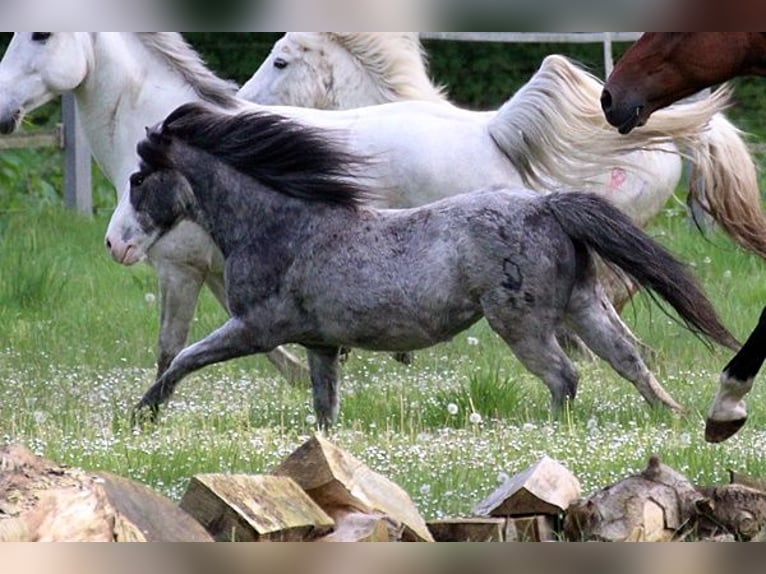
pixel 605 38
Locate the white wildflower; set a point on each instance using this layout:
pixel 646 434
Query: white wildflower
pixel 150 298
pixel 311 420
pixel 473 341
pixel 452 408
pixel 425 489
pixel 474 418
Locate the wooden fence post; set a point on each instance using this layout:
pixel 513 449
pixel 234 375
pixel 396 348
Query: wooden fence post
pixel 78 191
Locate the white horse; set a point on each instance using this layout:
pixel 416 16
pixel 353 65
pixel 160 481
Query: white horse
pixel 123 82
pixel 332 70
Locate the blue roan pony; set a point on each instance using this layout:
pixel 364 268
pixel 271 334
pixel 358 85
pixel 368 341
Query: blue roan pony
pixel 307 262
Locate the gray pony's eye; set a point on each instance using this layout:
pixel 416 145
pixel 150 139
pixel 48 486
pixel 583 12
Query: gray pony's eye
pixel 280 64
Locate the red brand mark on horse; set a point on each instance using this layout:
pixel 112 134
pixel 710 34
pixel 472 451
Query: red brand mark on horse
pixel 617 179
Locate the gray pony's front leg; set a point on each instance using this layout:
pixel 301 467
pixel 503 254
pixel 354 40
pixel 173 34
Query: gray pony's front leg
pixel 180 286
pixel 292 369
pixel 233 339
pixel 324 369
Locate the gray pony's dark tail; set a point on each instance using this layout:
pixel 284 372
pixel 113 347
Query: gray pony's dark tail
pixel 593 221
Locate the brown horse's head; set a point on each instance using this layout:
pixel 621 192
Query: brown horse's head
pixel 662 68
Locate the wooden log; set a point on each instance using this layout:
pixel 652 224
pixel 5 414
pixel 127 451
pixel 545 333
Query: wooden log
pixel 656 504
pixel 47 502
pixel 335 479
pixel 358 527
pixel 478 529
pixel 732 509
pixel 540 528
pixel 547 487
pixel 747 480
pixel 241 507
pixel 142 515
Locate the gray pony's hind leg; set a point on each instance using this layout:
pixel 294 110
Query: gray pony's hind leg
pixel 593 317
pixel 531 335
pixel 324 368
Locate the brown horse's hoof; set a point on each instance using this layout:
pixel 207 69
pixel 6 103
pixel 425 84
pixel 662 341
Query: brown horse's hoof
pixel 719 431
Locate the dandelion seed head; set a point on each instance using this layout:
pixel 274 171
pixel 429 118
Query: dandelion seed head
pixel 452 408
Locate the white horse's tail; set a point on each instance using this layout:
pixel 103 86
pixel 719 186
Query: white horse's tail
pixel 553 129
pixel 724 180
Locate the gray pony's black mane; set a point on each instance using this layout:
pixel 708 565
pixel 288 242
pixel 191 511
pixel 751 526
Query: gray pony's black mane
pixel 281 153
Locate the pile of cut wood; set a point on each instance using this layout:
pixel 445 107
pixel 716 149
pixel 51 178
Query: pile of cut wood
pixel 322 493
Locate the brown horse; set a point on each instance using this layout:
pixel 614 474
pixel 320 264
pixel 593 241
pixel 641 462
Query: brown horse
pixel 656 71
pixel 661 68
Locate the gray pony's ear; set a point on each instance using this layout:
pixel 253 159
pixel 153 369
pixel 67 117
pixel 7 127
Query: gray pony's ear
pixel 155 135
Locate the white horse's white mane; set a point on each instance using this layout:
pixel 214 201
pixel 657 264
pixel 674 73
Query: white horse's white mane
pixel 397 61
pixel 181 57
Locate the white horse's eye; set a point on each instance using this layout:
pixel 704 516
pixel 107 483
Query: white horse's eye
pixel 40 36
pixel 280 64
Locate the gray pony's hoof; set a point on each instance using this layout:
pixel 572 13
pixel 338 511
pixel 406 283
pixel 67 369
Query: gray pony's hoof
pixel 343 354
pixel 404 357
pixel 719 431
pixel 144 415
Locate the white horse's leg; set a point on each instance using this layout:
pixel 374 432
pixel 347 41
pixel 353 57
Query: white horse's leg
pixel 289 366
pixel 324 366
pixel 233 339
pixel 595 320
pixel 180 286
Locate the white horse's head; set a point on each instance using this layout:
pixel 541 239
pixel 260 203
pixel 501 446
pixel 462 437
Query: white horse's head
pixel 37 67
pixel 334 70
pixel 295 73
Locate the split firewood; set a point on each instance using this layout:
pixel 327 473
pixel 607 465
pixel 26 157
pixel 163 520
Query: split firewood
pixel 359 527
pixel 47 502
pixel 248 508
pixel 656 504
pixel 478 529
pixel 732 509
pixel 338 481
pixel 547 487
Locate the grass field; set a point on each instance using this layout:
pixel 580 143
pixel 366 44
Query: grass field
pixel 77 345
